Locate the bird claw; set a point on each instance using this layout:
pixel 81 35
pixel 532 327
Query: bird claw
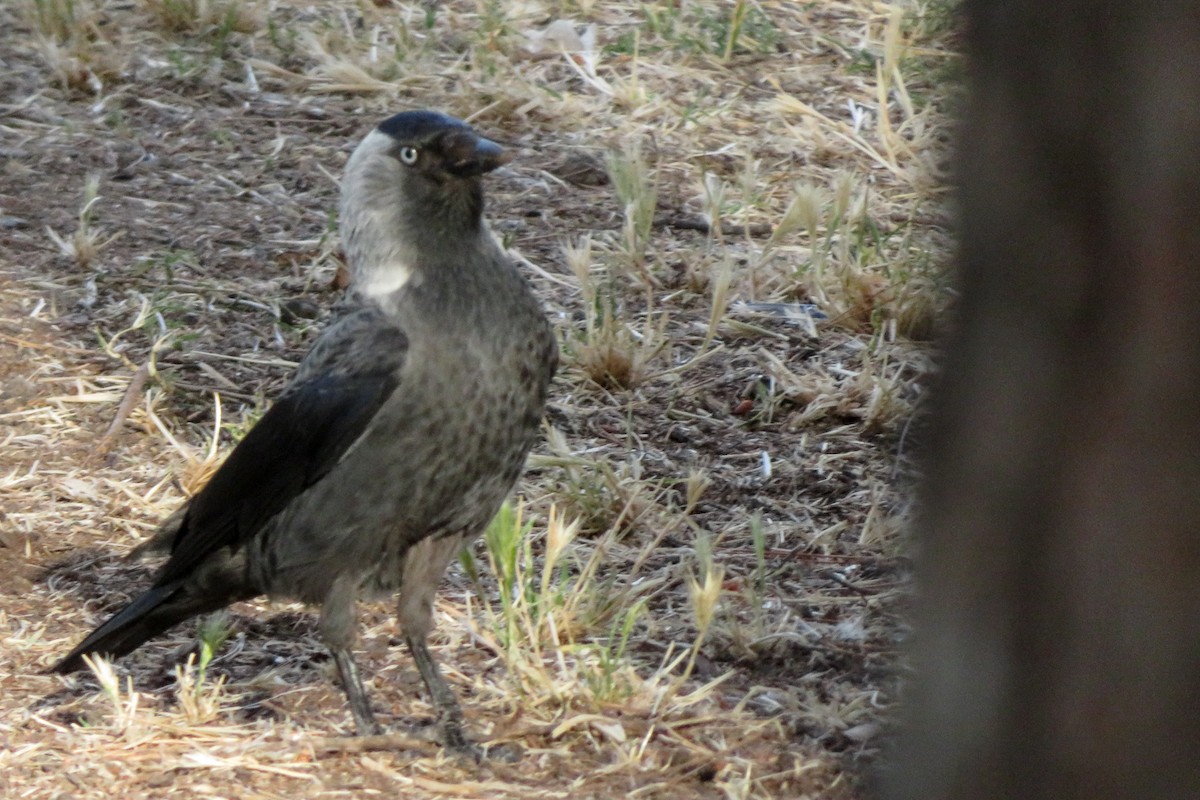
pixel 454 740
pixel 368 727
pixel 503 753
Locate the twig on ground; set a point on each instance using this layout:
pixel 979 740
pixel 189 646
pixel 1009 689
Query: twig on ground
pixel 133 393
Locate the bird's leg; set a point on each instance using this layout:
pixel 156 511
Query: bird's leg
pixel 356 693
pixel 445 704
pixel 424 565
pixel 337 630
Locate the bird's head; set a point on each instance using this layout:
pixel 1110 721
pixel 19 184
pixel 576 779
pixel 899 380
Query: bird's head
pixel 412 194
pixel 437 147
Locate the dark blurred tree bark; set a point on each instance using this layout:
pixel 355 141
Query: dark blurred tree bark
pixel 1058 643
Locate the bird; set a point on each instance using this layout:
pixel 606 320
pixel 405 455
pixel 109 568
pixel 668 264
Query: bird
pixel 401 433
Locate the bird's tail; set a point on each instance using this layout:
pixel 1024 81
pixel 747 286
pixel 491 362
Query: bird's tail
pixel 158 609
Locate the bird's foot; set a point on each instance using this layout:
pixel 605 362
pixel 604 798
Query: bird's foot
pixel 365 723
pixel 448 733
pixel 503 752
pixel 455 741
pixel 367 727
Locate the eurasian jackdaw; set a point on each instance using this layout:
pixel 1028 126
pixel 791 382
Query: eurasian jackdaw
pixel 401 433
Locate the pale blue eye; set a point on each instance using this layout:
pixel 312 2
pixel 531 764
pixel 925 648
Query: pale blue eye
pixel 408 155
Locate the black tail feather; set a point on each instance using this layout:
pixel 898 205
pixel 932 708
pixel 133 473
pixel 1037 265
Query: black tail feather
pixel 159 608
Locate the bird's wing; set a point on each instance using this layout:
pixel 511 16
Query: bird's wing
pixel 342 383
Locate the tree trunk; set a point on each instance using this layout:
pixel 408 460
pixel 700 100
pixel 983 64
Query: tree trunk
pixel 1057 650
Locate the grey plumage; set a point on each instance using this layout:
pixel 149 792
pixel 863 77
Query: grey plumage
pixel 401 433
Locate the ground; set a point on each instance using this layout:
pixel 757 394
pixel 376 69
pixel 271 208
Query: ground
pixel 703 575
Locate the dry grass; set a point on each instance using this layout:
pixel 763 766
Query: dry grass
pixel 703 593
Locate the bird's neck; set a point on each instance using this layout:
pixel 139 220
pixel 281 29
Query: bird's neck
pixel 389 250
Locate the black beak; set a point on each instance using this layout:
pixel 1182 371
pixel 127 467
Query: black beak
pixel 468 155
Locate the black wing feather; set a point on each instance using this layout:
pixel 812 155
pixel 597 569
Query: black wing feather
pixel 300 438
